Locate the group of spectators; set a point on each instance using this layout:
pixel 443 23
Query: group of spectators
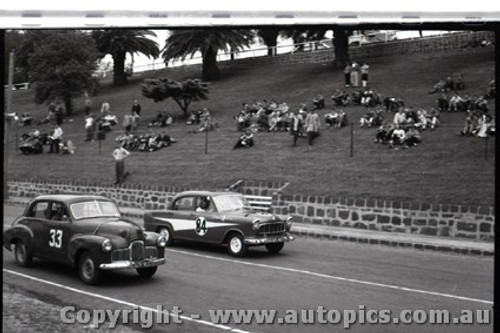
pixel 264 116
pixel 365 97
pixel 202 120
pixel 34 142
pixel 146 142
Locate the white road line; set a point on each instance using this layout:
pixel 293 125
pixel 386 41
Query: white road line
pixel 118 301
pixel 338 278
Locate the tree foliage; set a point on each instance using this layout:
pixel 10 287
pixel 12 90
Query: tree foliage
pixel 270 37
pixel 119 42
pixel 60 63
pixel 183 93
pixel 340 40
pixel 185 43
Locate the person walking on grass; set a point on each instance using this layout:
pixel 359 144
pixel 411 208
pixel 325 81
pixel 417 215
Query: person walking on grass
pixel 119 155
pixel 312 125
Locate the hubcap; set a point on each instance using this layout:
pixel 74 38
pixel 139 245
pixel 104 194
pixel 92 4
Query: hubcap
pixel 21 252
pixel 88 268
pixel 235 244
pixel 166 233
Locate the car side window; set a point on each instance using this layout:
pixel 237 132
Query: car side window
pixel 185 203
pixel 58 212
pixel 39 210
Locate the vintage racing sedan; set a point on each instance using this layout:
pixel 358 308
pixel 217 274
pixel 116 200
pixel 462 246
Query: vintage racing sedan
pixel 219 218
pixel 84 231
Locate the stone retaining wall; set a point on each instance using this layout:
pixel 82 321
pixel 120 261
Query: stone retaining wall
pixel 471 222
pixel 438 43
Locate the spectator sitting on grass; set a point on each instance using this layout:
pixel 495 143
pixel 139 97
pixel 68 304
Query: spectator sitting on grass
pixel 400 117
pixel 340 97
pixel 163 119
pixel 438 87
pixel 442 102
pixel 433 117
pixel 319 102
pixel 67 147
pixel 356 96
pixel 422 121
pixel 336 119
pixel 245 140
pixel 384 133
pixel 456 103
pixel 393 104
pixel 412 137
pixel 398 136
pixel 367 118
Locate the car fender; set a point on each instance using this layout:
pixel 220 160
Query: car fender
pixel 153 223
pixel 229 231
pixel 90 243
pixel 19 231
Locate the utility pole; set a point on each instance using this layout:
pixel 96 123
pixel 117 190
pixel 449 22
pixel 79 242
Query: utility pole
pixel 8 117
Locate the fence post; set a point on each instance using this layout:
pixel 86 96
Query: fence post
pixel 486 148
pixel 352 139
pixel 206 140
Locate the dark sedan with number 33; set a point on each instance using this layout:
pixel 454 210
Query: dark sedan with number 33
pixel 83 231
pixel 219 218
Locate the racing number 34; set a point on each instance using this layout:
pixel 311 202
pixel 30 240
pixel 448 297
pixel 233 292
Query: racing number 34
pixel 55 238
pixel 201 226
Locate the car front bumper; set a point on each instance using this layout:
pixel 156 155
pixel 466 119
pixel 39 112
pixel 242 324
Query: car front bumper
pixel 269 239
pixel 124 264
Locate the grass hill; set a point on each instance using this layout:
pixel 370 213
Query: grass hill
pixel 445 168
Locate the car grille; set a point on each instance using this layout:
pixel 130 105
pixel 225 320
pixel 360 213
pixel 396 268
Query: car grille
pixel 272 228
pixel 135 252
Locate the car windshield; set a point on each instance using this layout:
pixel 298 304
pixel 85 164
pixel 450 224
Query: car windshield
pixel 226 203
pixel 94 208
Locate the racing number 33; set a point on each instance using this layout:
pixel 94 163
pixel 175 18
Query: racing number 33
pixel 55 238
pixel 201 226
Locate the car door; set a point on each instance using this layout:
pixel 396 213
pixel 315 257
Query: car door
pixel 208 225
pixel 35 220
pixel 57 231
pixel 183 219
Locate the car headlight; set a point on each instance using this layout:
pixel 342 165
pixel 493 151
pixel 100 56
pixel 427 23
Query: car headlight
pixel 288 222
pixel 256 224
pixel 106 245
pixel 161 241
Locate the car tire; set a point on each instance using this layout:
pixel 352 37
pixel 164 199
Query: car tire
pixel 88 269
pixel 167 232
pixel 236 245
pixel 275 247
pixel 23 257
pixel 146 272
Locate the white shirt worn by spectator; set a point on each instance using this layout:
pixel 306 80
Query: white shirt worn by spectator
pixel 120 153
pixel 58 133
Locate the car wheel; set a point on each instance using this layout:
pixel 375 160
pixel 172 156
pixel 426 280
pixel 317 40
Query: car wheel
pixel 23 258
pixel 274 247
pixel 236 245
pixel 165 231
pixel 88 269
pixel 147 272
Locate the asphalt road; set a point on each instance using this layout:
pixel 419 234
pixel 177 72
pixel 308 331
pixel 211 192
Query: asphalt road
pixel 308 274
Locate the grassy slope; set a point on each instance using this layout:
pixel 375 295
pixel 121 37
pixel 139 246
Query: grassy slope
pixel 445 168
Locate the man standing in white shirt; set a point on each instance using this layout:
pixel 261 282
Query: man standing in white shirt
pixel 55 139
pixel 119 155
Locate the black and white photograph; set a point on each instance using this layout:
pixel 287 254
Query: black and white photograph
pixel 249 178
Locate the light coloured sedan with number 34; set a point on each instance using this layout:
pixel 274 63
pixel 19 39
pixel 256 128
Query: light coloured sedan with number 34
pixel 219 218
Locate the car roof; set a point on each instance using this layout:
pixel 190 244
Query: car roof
pixel 71 198
pixel 206 193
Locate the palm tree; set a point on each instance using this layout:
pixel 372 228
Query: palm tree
pixel 183 43
pixel 118 43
